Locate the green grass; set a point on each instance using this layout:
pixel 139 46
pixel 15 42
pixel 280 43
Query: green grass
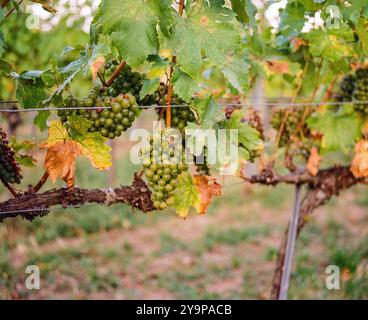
pixel 168 244
pixel 232 236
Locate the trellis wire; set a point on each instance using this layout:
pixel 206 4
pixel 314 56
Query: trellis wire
pixel 45 209
pixel 265 104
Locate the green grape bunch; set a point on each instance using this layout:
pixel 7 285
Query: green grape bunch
pixel 115 116
pixel 128 81
pixel 354 87
pixel 253 119
pixel 293 119
pixel 360 92
pixel 201 163
pixel 180 114
pixel 9 167
pixel 347 87
pixel 305 138
pixel 162 163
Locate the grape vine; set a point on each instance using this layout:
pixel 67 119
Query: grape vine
pixel 196 64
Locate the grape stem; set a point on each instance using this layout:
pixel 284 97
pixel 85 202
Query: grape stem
pixel 170 87
pixel 100 76
pixel 41 183
pixel 4 3
pixel 329 91
pixel 299 88
pixel 181 7
pixel 13 9
pixel 9 187
pixel 288 159
pixel 115 74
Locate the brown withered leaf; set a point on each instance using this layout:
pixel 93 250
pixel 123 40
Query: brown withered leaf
pixel 60 161
pixel 96 65
pixel 314 162
pixel 278 66
pixel 359 166
pixel 207 188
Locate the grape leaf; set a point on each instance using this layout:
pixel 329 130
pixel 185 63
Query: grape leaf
pixel 30 89
pixel 165 12
pixel 5 66
pixel 361 30
pixel 208 32
pixel 95 149
pixel 208 111
pixel 248 137
pixel 149 87
pixel 41 119
pixel 246 11
pixel 57 133
pixel 340 129
pixel 2 14
pixel 184 86
pixel 186 195
pixel 59 145
pixel 78 127
pixel 217 2
pixel 236 71
pixel 332 45
pixel 61 88
pixel 19 146
pixel 24 145
pixel 132 26
pixel 2 44
pixel 25 160
pixel 92 144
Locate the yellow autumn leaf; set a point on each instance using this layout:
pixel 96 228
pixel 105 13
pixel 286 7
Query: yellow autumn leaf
pixel 57 133
pixel 186 195
pixel 97 152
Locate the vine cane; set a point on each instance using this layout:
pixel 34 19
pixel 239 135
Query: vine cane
pixel 290 246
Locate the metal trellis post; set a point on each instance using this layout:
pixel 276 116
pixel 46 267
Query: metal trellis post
pixel 290 245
